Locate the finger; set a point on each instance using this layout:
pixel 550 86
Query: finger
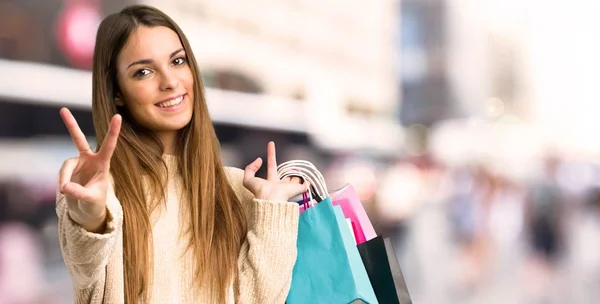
pixel 250 182
pixel 110 141
pixel 271 162
pixel 77 191
pixel 66 171
pixel 78 138
pixel 297 189
pixel 294 180
pixel 252 168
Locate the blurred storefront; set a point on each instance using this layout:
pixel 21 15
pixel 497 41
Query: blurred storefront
pixel 323 94
pixel 440 113
pixel 322 75
pixel 298 63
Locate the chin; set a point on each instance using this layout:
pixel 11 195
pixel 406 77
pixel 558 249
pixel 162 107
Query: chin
pixel 179 125
pixel 176 122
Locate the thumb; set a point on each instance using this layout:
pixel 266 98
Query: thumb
pixel 251 169
pixel 250 181
pixel 77 191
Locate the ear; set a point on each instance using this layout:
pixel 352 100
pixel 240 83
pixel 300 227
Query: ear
pixel 119 100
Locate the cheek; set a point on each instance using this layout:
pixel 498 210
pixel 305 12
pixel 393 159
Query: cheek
pixel 139 100
pixel 188 81
pixel 140 95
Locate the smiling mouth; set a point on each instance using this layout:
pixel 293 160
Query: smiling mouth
pixel 170 103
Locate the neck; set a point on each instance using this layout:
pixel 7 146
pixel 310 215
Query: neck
pixel 169 141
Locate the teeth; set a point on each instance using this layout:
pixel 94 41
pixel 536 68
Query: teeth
pixel 171 103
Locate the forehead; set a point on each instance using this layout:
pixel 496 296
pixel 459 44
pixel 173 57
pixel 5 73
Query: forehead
pixel 155 43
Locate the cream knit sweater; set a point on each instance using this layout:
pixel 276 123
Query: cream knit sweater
pixel 266 261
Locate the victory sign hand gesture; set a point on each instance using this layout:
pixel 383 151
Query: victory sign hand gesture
pixel 84 179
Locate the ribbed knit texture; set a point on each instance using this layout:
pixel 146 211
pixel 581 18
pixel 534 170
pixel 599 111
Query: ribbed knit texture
pixel 266 261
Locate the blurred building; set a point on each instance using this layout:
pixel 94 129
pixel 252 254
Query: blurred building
pixel 335 59
pixel 562 64
pixel 339 51
pixel 485 58
pixel 461 59
pixel 427 95
pixel 324 69
pixel 523 65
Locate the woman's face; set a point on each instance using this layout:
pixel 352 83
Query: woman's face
pixel 156 81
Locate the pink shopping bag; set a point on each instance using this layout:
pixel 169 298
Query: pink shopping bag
pixel 353 209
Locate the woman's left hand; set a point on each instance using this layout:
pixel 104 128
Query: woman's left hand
pixel 272 188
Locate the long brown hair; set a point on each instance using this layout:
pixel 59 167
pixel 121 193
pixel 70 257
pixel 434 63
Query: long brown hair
pixel 218 223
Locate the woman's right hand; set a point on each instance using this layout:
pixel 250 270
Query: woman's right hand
pixel 84 179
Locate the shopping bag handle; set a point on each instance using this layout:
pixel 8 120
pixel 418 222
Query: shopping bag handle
pixel 307 167
pixel 312 190
pixel 315 179
pixel 282 175
pixel 313 176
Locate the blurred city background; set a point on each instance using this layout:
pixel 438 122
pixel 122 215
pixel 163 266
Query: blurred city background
pixel 468 128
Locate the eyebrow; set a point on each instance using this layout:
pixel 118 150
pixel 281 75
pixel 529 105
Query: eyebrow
pixel 148 61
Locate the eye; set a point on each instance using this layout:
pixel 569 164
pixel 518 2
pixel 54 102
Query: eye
pixel 141 73
pixel 179 61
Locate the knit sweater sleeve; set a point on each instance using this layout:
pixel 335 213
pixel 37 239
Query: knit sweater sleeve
pixel 86 254
pixel 268 255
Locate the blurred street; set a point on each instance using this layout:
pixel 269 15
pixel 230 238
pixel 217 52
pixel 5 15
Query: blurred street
pixel 467 128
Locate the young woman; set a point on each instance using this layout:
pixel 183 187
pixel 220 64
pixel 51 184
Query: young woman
pixel 152 216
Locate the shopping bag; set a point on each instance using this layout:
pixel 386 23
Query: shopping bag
pixel 328 268
pixel 353 209
pixel 384 271
pixel 399 281
pixel 346 197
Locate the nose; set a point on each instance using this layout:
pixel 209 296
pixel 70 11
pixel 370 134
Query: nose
pixel 168 81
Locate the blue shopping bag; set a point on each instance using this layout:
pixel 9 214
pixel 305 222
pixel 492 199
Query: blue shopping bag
pixel 329 268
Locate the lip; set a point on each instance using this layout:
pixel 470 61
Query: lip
pixel 173 108
pixel 169 98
